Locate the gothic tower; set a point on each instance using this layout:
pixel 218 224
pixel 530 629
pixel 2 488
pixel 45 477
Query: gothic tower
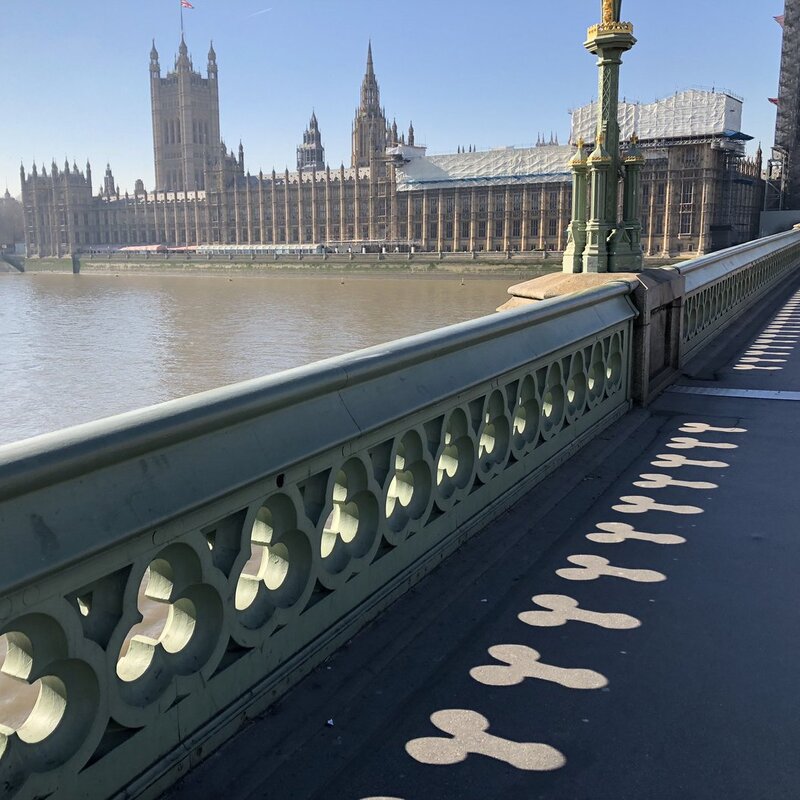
pixel 311 154
pixel 185 121
pixel 369 128
pixel 787 128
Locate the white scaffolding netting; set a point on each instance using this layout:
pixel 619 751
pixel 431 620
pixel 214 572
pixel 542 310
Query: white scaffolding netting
pixel 694 112
pixel 488 168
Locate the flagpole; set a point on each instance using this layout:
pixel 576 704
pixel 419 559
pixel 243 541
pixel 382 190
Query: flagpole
pixel 181 5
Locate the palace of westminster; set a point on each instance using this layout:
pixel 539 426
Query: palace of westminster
pixel 699 192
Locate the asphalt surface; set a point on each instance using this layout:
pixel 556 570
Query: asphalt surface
pixel 688 690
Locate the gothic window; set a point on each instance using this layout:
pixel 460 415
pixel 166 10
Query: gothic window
pixel 417 206
pixel 687 192
pixel 448 230
pixel 553 227
pixel 516 202
pixel 552 201
pixel 433 206
pixel 482 200
pixel 481 230
pixel 464 229
pixel 449 205
pixel 661 193
pixel 498 228
pixel 499 205
pixel 686 220
pixel 433 230
pixel 516 228
pixel 418 231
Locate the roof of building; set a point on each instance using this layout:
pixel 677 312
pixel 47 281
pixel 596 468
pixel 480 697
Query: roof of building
pixel 490 167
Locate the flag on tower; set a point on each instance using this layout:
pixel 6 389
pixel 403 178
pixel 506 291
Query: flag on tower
pixel 186 4
pixel 780 20
pixel 774 101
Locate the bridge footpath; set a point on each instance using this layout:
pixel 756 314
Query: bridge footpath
pixel 627 630
pixel 550 553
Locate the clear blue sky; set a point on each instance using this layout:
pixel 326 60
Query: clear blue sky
pixel 470 72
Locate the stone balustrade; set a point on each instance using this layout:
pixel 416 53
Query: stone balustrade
pixel 722 285
pixel 171 571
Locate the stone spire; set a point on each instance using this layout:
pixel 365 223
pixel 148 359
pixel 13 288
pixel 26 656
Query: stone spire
pixel 370 92
pixel 369 127
pixel 183 64
pixel 311 153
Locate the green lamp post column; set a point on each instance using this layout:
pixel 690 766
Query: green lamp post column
pixel 627 245
pixel 576 233
pixel 608 41
pixel 598 228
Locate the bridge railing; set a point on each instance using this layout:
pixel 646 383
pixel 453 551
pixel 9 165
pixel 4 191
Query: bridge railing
pixel 167 573
pixel 170 571
pixel 721 286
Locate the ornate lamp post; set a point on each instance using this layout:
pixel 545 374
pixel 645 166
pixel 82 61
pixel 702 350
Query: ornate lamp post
pixel 611 246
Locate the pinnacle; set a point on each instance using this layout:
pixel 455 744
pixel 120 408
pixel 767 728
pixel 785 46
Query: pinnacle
pixel 370 64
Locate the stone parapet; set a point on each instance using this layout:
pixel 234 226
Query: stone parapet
pixel 680 308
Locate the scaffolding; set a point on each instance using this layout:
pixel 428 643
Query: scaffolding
pixel 784 188
pixel 685 115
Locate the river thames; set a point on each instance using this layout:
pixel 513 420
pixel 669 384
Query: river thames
pixel 75 348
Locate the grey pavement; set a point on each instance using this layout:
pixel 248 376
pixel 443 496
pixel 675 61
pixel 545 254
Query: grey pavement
pixel 688 690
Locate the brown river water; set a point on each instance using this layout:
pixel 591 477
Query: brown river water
pixel 75 348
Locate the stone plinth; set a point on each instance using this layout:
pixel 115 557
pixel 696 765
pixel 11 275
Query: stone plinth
pixel 562 283
pixel 658 296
